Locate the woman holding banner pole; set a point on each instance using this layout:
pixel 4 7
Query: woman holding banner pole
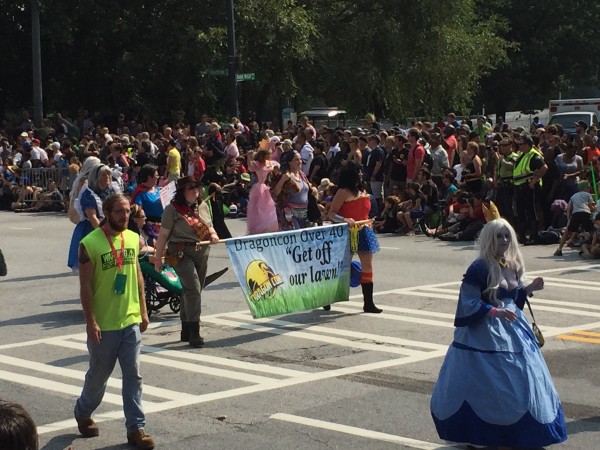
pixel 352 204
pixel 185 223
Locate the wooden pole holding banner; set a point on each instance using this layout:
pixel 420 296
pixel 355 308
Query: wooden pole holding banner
pixel 224 241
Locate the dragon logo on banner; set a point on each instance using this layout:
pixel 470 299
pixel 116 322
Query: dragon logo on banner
pixel 262 281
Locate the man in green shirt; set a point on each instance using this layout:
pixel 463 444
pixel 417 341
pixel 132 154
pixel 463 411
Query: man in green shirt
pixel 112 297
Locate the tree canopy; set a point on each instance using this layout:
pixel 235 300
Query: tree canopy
pixel 397 58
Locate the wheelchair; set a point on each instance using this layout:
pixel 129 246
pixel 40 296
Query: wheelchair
pixel 162 288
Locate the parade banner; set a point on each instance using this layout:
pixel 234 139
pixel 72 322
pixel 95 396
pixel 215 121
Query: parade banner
pixel 292 271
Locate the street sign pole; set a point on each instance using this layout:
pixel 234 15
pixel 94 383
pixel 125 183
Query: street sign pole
pixel 234 109
pixel 38 112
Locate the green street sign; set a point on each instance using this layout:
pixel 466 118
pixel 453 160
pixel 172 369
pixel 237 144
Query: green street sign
pixel 245 76
pixel 218 72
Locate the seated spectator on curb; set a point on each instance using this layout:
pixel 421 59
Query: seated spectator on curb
pixel 416 210
pixel 49 200
pixel 472 221
pixel 592 250
pixel 558 224
pixel 387 221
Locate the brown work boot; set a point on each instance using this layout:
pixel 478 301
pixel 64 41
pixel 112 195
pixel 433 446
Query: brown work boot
pixel 87 427
pixel 140 439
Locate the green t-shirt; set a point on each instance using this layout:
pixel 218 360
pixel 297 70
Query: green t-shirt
pixel 114 311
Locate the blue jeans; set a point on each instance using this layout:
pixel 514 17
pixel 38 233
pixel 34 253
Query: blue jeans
pixel 123 345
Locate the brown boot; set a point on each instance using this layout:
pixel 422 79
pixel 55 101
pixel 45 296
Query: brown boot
pixel 87 427
pixel 140 440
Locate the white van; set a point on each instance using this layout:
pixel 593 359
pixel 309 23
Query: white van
pixel 567 112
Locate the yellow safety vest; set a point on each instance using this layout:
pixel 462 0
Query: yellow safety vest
pixel 522 173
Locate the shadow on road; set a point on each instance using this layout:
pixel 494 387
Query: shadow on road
pixel 584 425
pixel 51 320
pixel 38 277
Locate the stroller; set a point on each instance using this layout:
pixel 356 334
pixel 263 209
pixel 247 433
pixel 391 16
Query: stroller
pixel 162 288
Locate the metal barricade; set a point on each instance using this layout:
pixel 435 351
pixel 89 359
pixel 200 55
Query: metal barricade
pixel 39 180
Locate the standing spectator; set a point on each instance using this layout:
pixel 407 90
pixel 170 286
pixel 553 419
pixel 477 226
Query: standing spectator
pixel 371 122
pixel 202 127
pixel 416 155
pixel 503 179
pixel 471 174
pixel 287 153
pixel 334 146
pixel 213 154
pixel 471 403
pixel 306 152
pixel 305 123
pixel 579 213
pixel 527 175
pixel 173 161
pixel 319 167
pixel 373 170
pixel 231 149
pixel 570 167
pixel 199 165
pixel 482 129
pixel 112 298
pixel 450 143
pixel 439 158
pixel 399 160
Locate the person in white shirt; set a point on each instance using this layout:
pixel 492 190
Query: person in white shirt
pixel 57 156
pixel 334 146
pixel 306 152
pixel 35 154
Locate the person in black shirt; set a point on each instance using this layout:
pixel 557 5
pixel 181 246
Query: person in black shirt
pixel 428 189
pixel 399 158
pixel 319 167
pixel 373 170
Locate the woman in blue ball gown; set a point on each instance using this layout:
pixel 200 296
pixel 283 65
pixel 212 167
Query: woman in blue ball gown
pixel 494 388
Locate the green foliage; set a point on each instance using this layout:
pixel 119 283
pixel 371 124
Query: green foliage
pixel 555 51
pixel 397 58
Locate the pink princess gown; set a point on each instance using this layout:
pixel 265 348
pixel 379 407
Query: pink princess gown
pixel 261 216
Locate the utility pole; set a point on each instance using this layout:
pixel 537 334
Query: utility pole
pixel 233 97
pixel 38 106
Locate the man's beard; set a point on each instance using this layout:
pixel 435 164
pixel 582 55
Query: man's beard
pixel 115 225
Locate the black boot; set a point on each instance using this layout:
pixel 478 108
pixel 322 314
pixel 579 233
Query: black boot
pixel 369 306
pixel 185 332
pixel 195 338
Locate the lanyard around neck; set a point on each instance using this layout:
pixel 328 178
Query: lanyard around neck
pixel 118 258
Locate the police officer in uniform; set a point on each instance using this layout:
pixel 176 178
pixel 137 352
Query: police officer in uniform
pixel 504 179
pixel 527 179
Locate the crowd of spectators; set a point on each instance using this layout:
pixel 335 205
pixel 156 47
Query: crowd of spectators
pixel 438 178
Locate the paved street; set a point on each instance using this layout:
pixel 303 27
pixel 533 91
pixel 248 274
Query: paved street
pixel 311 380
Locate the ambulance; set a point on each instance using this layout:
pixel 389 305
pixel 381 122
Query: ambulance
pixel 567 112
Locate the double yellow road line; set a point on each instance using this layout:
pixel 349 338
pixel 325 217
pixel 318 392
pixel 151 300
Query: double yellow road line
pixel 581 336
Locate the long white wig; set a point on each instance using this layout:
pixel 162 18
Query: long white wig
pixel 488 250
pixel 89 165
